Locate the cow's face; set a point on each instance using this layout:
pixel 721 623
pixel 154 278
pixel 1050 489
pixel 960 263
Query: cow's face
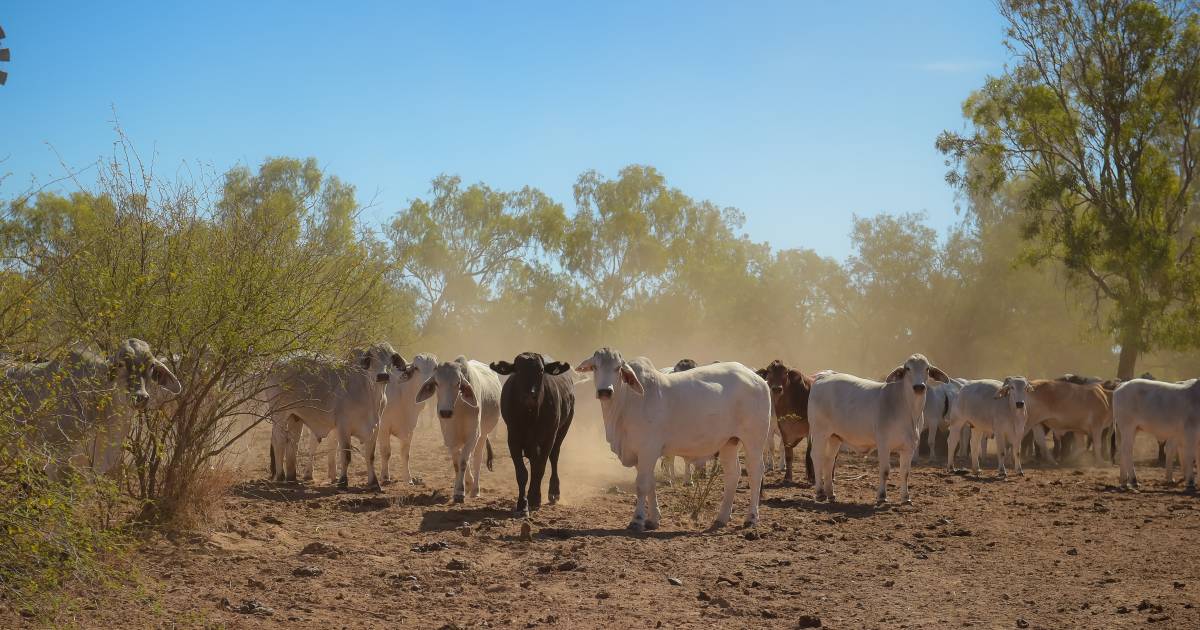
pixel 420 368
pixel 450 383
pixel 609 370
pixel 1015 388
pixel 776 376
pixel 526 373
pixel 916 372
pixel 132 365
pixel 684 365
pixel 379 361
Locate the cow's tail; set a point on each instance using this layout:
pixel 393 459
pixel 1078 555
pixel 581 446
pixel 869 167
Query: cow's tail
pixel 272 461
pixel 488 443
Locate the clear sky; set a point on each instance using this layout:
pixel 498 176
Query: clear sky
pixel 798 113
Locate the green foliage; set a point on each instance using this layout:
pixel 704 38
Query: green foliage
pixel 1097 120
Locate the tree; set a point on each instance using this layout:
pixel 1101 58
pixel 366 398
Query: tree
pixel 1098 117
pixel 454 248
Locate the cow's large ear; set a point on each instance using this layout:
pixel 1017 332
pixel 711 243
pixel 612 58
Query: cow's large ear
pixel 407 372
pixel 501 367
pixel 554 368
pixel 398 361
pixel 467 392
pixel 795 376
pixel 896 374
pixel 427 390
pixel 937 374
pixel 1003 391
pixel 586 365
pixel 631 379
pixel 165 379
pixel 762 373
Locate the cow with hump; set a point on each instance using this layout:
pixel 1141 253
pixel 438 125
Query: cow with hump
pixel 346 398
pixel 990 408
pixel 81 405
pixel 648 415
pixel 866 414
pixel 789 405
pixel 537 404
pixel 468 408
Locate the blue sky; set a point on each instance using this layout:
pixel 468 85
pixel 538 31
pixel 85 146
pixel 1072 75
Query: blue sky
pixel 800 114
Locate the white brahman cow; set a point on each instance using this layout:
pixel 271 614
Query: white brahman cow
pixel 990 408
pixel 866 414
pixel 1168 411
pixel 402 413
pixel 468 408
pixel 692 414
pixel 325 395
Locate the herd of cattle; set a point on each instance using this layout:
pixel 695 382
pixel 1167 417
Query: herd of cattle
pixel 694 412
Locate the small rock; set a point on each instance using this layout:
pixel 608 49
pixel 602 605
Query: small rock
pixel 767 613
pixel 1072 552
pixel 722 602
pixel 752 534
pixel 320 549
pixel 808 621
pixel 614 490
pixel 674 581
pixel 1021 623
pixel 272 520
pixel 307 571
pixel 603 595
pixel 1156 619
pixel 1121 610
pixel 466 531
pixel 458 564
pixel 247 607
pixel 704 597
pixel 1177 584
pixel 569 565
pixel 889 583
pixel 430 546
pixel 526 584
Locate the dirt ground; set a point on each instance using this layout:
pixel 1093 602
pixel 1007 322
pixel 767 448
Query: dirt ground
pixel 1056 548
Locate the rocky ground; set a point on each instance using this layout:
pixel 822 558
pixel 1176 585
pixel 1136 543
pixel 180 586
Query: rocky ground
pixel 1056 548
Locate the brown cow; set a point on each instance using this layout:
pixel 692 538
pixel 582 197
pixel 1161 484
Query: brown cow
pixel 1063 406
pixel 789 403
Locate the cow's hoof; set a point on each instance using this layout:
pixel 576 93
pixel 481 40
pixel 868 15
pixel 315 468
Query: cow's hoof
pixel 819 496
pixel 717 525
pixel 343 483
pixel 308 478
pixel 1190 489
pixel 636 525
pixel 552 500
pixel 750 522
pixel 458 498
pixel 520 512
pixel 651 525
pixel 906 501
pixel 374 487
pixel 881 501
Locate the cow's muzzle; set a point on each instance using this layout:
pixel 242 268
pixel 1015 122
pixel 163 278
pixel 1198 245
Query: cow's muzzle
pixel 919 388
pixel 775 389
pixel 445 413
pixel 383 377
pixel 1020 404
pixel 604 393
pixel 140 399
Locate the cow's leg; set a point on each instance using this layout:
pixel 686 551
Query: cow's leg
pixel 314 445
pixel 833 445
pixel 653 515
pixel 1039 440
pixel 514 449
pixel 809 471
pixel 732 472
pixel 1097 444
pixel 384 442
pixel 689 472
pixel 369 444
pixel 976 447
pixel 769 453
pixel 788 456
pixel 477 455
pixel 1187 459
pixel 645 484
pixel 1162 453
pixel 343 440
pixel 406 435
pixel 885 467
pixel 818 469
pixel 1172 448
pixel 1014 442
pixel 330 460
pixel 952 445
pixel 906 457
pixel 537 471
pixel 459 456
pixel 555 490
pixel 755 471
pixel 1001 452
pixel 1128 475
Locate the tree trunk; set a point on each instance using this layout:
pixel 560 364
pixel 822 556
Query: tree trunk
pixel 1130 349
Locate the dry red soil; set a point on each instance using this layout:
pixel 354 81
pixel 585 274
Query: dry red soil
pixel 1057 548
